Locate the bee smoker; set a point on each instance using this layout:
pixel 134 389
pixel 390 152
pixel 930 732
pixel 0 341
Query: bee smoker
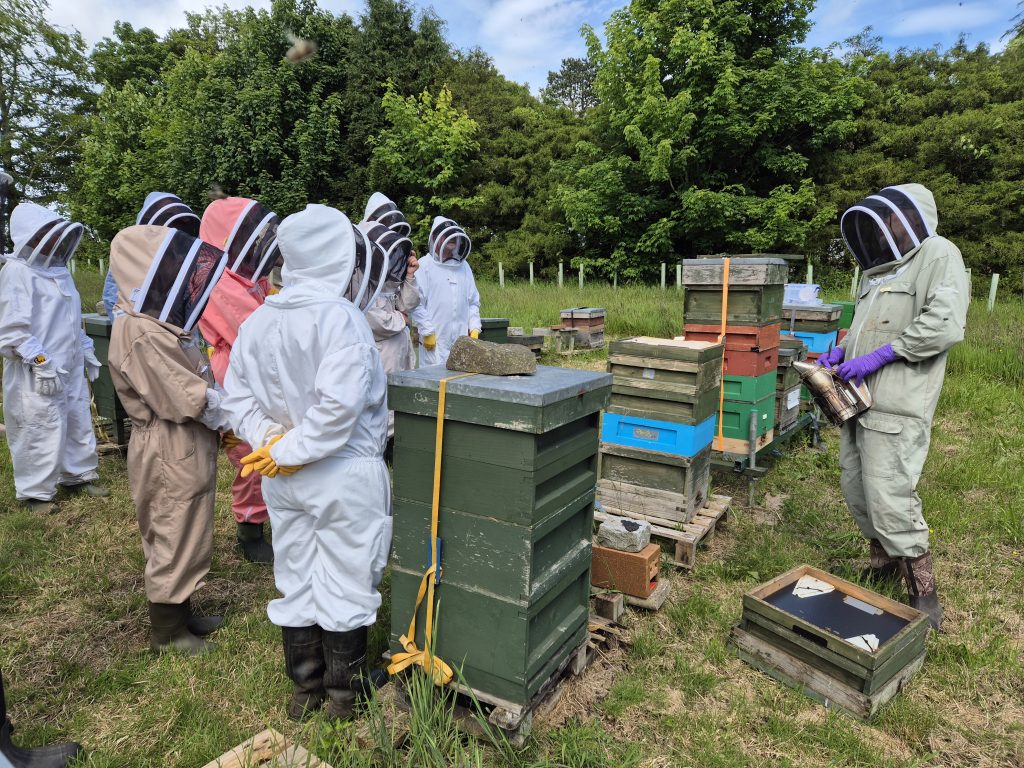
pixel 839 400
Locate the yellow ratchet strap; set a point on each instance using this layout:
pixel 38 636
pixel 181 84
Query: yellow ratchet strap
pixel 432 665
pixel 721 340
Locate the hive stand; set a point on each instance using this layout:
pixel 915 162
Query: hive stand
pixel 686 536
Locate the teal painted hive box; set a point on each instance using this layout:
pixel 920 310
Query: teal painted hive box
pixel 519 470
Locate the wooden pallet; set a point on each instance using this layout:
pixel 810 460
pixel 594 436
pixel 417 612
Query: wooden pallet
pixel 268 749
pixel 515 721
pixel 687 536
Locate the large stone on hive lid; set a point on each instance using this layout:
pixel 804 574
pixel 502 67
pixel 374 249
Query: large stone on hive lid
pixel 477 356
pixel 518 474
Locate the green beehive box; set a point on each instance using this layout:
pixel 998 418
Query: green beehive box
pixel 748 304
pixel 749 389
pixel 494 329
pixel 516 513
pixel 686 475
pixel 736 417
pixel 841 644
pixel 670 375
pixel 675 407
pixel 846 319
pixel 108 405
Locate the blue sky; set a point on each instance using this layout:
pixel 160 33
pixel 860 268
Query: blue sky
pixel 527 38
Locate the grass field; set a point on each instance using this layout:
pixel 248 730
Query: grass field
pixel 74 629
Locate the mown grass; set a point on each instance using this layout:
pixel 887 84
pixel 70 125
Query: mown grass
pixel 74 630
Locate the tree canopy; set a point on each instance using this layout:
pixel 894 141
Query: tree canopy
pixel 690 127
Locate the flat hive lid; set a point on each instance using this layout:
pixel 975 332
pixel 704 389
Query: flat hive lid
pixel 734 261
pixel 547 386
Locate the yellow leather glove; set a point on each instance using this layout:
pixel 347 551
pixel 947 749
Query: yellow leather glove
pixel 474 334
pixel 430 342
pixel 260 461
pixel 229 440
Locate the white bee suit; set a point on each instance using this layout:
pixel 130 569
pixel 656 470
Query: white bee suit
pixel 305 365
pixel 50 435
pixel 449 307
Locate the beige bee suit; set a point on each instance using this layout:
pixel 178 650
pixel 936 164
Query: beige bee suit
pixel 162 377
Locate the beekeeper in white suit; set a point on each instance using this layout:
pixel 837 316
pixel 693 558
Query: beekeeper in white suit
pixel 449 301
pixel 306 384
pixel 47 357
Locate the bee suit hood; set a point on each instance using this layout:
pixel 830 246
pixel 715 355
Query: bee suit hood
pixel 42 239
pixel 889 227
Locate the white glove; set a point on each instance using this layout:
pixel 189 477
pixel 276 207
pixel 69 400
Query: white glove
pixel 213 417
pixel 48 378
pixel 92 366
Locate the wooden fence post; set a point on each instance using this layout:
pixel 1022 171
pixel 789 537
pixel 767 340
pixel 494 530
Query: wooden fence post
pixel 992 291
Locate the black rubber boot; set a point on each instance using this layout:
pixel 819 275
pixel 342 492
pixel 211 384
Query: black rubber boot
pixel 200 625
pixel 169 630
pixel 881 567
pixel 89 488
pixel 920 580
pixel 344 654
pixel 41 506
pixel 304 665
pixel 53 756
pixel 252 545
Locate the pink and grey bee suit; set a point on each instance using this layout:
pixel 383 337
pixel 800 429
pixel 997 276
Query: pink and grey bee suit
pixel 247 231
pixel 163 379
pixel 50 436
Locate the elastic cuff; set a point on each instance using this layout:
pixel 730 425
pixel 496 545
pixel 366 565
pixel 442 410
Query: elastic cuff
pixel 30 349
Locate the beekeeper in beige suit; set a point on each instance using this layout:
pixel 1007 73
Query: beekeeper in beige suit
pixel 163 378
pixel 911 309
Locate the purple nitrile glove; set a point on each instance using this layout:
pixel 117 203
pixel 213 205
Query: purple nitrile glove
pixel 833 357
pixel 858 368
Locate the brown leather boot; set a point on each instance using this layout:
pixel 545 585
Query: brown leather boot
pixel 881 567
pixel 304 665
pixel 920 580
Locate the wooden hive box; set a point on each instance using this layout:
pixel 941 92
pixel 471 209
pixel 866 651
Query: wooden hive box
pixel 672 380
pixel 787 407
pixel 787 376
pixel 628 472
pixel 494 329
pixel 517 495
pixel 742 271
pixel 738 338
pixel 810 643
pixel 749 389
pixel 748 304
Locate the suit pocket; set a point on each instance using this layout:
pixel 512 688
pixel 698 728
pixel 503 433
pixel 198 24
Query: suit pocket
pixel 879 440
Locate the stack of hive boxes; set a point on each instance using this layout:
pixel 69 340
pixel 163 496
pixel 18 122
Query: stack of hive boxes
pixel 588 322
pixel 787 383
pixel 657 431
pixel 753 325
pixel 817 326
pixel 516 516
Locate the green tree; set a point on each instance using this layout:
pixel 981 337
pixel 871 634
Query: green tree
pixel 709 114
pixel 44 91
pixel 952 121
pixel 422 154
pixel 572 86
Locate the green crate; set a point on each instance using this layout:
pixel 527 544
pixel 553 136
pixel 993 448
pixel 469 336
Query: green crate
pixel 748 305
pixel 749 389
pixel 108 405
pixel 846 319
pixel 736 417
pixel 494 329
pixel 517 489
